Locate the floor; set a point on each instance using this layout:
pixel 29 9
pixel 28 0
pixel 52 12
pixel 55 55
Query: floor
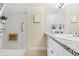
pixel 36 53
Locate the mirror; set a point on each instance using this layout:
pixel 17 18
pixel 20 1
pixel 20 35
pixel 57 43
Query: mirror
pixel 55 16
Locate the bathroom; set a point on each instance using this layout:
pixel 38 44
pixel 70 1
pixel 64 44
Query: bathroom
pixel 39 29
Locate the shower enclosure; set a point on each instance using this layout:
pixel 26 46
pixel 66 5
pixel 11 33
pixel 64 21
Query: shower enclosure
pixel 14 35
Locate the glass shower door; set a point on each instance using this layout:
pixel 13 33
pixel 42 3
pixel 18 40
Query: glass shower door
pixel 16 24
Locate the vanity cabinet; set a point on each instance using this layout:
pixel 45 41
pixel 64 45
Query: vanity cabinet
pixel 55 49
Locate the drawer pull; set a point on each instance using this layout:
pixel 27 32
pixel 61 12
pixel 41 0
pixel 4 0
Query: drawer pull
pixel 51 51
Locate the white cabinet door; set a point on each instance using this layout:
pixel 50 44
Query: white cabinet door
pixel 55 46
pixel 66 53
pixel 51 51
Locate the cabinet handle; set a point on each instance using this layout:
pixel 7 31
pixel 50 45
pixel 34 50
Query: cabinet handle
pixel 22 27
pixel 51 51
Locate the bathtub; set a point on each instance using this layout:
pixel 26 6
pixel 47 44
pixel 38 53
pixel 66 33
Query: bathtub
pixel 12 52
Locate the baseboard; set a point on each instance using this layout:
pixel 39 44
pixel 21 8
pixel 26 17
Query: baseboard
pixel 37 48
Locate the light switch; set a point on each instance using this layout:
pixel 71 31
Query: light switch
pixel 36 18
pixel 73 18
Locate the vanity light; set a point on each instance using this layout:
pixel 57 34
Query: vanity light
pixel 61 5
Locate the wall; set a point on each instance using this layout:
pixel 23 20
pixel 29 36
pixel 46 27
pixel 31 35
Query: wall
pixel 72 9
pixel 36 37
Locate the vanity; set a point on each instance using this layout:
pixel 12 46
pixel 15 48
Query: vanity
pixel 62 44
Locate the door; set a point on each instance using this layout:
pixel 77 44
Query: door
pixel 16 24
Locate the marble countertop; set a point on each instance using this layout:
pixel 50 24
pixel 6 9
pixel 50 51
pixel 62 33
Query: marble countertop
pixel 67 39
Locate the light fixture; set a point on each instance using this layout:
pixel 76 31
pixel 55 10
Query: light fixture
pixel 61 5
